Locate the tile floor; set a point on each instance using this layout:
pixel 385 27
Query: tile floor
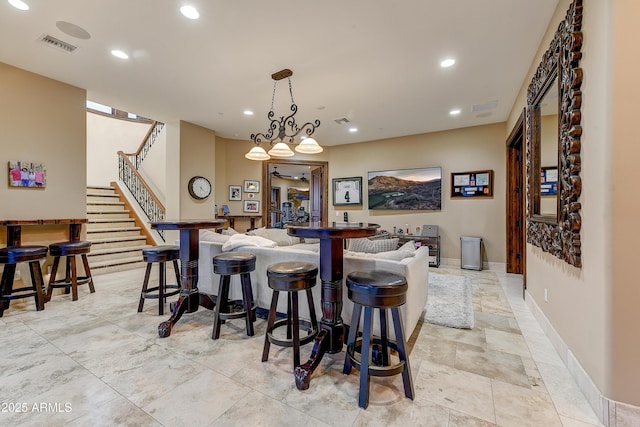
pixel 97 361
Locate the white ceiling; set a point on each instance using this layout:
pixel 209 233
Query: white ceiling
pixel 373 62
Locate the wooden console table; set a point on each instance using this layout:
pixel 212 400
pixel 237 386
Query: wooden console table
pixel 14 228
pixel 232 219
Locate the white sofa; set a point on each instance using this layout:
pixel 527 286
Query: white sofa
pixel 414 268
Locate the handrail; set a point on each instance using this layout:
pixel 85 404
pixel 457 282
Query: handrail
pixel 146 144
pixel 146 198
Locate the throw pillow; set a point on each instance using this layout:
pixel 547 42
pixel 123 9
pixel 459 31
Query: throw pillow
pixel 210 236
pixel 278 235
pixel 409 246
pixel 373 246
pixel 229 232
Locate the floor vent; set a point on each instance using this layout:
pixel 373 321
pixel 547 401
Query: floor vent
pixel 58 44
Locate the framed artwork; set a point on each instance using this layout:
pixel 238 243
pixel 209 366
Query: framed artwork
pixel 235 192
pixel 472 184
pixel 251 186
pixel 549 181
pixel 27 174
pixel 406 189
pixel 347 191
pixel 252 206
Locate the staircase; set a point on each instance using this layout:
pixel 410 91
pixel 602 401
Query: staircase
pixel 116 241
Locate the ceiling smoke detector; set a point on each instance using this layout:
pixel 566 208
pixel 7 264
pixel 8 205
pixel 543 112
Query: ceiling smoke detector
pixel 58 44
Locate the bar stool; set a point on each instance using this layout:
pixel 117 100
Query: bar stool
pixel 381 290
pixel 161 255
pixel 226 265
pixel 12 255
pixel 71 279
pixel 290 277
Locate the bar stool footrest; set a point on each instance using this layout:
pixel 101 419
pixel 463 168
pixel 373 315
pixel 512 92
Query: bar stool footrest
pixel 375 369
pixel 152 293
pixel 288 342
pixel 234 309
pixel 63 283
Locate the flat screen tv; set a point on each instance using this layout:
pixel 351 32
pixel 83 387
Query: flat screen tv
pixel 406 189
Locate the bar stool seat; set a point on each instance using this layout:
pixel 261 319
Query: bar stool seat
pixel 290 277
pixel 12 255
pixel 71 280
pixel 383 291
pixel 226 265
pixel 162 255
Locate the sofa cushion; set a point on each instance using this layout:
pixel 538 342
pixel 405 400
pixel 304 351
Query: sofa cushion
pixel 373 246
pixel 210 236
pixel 229 231
pixel 278 235
pixel 240 240
pixel 397 255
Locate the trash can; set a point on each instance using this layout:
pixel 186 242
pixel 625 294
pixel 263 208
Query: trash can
pixel 471 253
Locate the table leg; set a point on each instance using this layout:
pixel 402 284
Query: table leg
pixel 189 299
pixel 331 336
pixel 14 233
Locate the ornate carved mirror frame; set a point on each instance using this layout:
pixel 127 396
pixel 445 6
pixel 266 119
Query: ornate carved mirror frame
pixel 559 235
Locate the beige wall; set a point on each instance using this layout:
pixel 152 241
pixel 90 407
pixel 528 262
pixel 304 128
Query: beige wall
pixel 42 120
pixel 460 150
pixel 592 308
pixel 197 157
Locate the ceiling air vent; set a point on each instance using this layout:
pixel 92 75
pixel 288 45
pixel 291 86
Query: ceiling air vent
pixel 58 44
pixel 341 120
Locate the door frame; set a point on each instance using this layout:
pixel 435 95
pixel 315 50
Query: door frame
pixel 516 200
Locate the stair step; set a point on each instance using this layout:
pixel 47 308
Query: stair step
pixel 100 190
pixel 112 232
pixel 116 223
pixel 94 207
pixel 117 242
pixel 92 198
pixel 120 265
pixel 113 254
pixel 123 214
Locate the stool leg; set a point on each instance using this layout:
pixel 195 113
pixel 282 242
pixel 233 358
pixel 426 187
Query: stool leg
pixel 87 272
pixel 74 277
pixel 145 283
pixel 289 297
pixel 351 340
pixel 6 285
pixel 223 296
pixel 384 336
pixel 270 321
pixel 245 279
pixel 296 329
pixel 162 284
pixel 36 280
pixel 365 359
pixel 402 353
pixel 67 273
pixel 52 276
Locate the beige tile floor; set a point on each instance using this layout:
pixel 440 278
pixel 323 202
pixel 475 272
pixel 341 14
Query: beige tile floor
pixel 97 361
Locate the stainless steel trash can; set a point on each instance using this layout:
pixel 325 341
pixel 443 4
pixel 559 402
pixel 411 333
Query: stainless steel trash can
pixel 471 253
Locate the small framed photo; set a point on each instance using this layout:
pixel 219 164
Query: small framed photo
pixel 347 191
pixel 235 192
pixel 251 186
pixel 252 206
pixel 27 174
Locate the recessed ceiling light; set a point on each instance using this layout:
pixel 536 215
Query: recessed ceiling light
pixel 353 129
pixel 248 113
pixel 19 4
pixel 119 54
pixel 454 112
pixel 190 12
pixel 447 63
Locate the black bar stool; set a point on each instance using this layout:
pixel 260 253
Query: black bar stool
pixel 290 277
pixel 71 279
pixel 226 265
pixel 381 290
pixel 161 255
pixel 12 255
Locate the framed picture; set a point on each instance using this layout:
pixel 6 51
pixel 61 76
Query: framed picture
pixel 549 181
pixel 347 191
pixel 235 192
pixel 27 174
pixel 472 184
pixel 406 189
pixel 252 206
pixel 251 186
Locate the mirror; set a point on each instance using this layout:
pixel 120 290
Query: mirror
pixel 553 132
pixel 288 191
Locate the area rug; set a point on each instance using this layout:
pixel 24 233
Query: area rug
pixel 450 301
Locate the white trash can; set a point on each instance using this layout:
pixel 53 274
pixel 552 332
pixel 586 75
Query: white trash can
pixel 471 253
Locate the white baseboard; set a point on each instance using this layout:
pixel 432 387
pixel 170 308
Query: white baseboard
pixel 455 262
pixel 610 412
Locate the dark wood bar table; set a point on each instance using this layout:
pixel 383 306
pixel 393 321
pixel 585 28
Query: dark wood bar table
pixel 331 336
pixel 14 228
pixel 190 299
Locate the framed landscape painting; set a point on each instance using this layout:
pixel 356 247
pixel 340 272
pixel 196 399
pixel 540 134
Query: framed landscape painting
pixel 406 189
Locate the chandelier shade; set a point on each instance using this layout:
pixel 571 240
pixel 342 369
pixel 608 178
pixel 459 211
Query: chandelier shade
pixel 283 130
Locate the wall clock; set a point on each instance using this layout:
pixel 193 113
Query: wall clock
pixel 199 187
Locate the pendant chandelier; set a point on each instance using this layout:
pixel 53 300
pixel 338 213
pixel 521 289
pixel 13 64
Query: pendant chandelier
pixel 277 135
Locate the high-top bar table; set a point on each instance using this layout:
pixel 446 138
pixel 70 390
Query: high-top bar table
pixel 14 228
pixel 190 299
pixel 331 336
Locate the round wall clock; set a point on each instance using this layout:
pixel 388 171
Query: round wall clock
pixel 199 187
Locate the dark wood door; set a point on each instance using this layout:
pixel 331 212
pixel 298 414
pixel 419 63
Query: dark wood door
pixel 316 195
pixel 516 199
